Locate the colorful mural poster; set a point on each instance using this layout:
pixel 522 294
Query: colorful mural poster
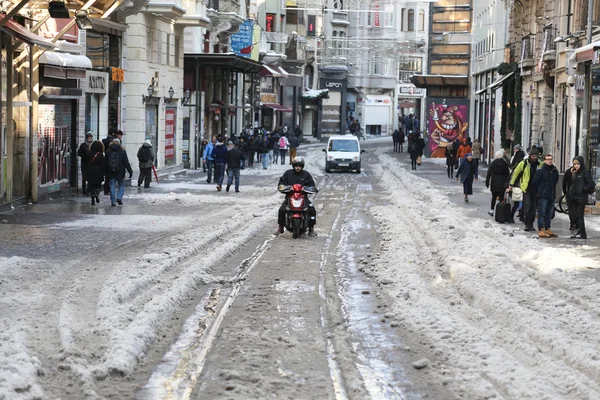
pixel 241 41
pixel 447 120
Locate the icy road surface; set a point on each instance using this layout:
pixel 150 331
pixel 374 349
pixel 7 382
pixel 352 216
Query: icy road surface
pixel 406 293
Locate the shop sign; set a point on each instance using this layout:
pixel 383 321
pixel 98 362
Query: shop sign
pixel 268 98
pixel 335 85
pixel 170 135
pixel 117 74
pixel 97 82
pixel 411 90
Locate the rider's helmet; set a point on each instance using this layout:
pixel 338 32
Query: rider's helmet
pixel 298 161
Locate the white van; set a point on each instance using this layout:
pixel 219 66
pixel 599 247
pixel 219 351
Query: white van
pixel 343 152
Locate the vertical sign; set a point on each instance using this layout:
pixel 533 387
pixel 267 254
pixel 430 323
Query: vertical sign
pixel 376 13
pixel 170 136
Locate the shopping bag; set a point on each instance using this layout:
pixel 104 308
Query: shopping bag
pixel 419 160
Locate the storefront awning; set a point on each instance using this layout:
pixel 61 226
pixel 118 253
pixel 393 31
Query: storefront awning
pixel 283 72
pixel 24 35
pixel 270 71
pixel 229 61
pixel 277 107
pixel 425 81
pixel 585 53
pixel 494 85
pixel 65 60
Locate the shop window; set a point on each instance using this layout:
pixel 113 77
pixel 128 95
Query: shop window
pixel 291 18
pixel 369 18
pixel 389 15
pixel 97 49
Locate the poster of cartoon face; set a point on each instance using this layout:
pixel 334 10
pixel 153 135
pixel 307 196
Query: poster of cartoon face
pixel 446 122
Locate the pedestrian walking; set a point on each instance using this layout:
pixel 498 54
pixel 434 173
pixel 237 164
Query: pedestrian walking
pixel 203 145
pixel 462 150
pixel 299 134
pixel 497 179
pixel 243 148
pixel 450 160
pixel 252 147
pixel 401 141
pixel 521 178
pixel 209 161
pixel 106 143
pixel 477 151
pixel 582 185
pixel 145 156
pixel 84 148
pixel 421 144
pixel 467 172
pixel 517 157
pixel 294 144
pixel 264 152
pixel 544 182
pixel 94 170
pixel 115 166
pixel 275 146
pixel 283 147
pixel 413 151
pixel 234 159
pixel 566 187
pixel 417 125
pixel 396 139
pixel 218 154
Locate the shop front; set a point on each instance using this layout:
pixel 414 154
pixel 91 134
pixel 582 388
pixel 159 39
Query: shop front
pixel 378 111
pixel 333 107
pixel 96 104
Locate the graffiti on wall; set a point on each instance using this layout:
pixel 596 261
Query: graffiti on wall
pixel 54 144
pixel 446 122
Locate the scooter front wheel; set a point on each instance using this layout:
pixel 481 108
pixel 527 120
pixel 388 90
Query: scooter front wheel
pixel 296 228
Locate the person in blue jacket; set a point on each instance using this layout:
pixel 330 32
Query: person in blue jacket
pixel 545 180
pixel 208 159
pixel 219 157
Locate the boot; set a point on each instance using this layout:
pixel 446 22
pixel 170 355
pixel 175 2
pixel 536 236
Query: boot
pixel 279 230
pixel 311 232
pixel 552 234
pixel 542 234
pixel 93 201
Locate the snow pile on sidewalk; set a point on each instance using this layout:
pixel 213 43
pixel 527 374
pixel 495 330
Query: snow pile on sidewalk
pixel 503 316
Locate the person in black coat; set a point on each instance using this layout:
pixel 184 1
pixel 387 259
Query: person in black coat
pixel 401 141
pixel 106 143
pixel 116 163
pixel 82 152
pixel 518 156
pixel 94 169
pixel 497 178
pixel 450 159
pixel 396 139
pixel 413 151
pixel 467 172
pixel 566 186
pixel 234 159
pixel 581 186
pixel 544 182
pixel 421 143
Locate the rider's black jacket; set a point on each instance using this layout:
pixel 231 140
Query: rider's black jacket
pixel 291 177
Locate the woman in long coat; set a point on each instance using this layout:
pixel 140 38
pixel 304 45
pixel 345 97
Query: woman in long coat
pixel 467 171
pixel 497 179
pixel 95 170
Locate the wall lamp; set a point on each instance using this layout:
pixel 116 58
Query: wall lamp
pixel 171 93
pixel 83 21
pixel 146 99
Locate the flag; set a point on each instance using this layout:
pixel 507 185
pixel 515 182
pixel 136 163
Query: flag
pixel 247 50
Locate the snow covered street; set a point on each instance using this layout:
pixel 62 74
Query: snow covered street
pixel 406 293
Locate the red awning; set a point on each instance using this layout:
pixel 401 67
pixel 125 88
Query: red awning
pixel 277 107
pixel 23 34
pixel 270 71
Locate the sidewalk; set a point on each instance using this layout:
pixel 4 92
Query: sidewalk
pixel 479 204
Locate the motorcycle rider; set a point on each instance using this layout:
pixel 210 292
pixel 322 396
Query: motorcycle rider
pixel 289 178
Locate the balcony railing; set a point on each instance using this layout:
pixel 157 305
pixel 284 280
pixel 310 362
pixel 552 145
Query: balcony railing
pixel 527 48
pixel 549 35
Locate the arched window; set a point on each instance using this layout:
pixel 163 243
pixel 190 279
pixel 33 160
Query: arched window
pixel 402 19
pixel 421 20
pixel 411 20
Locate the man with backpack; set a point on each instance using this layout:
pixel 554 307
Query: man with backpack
pixel 294 144
pixel 116 164
pixel 145 157
pixel 283 147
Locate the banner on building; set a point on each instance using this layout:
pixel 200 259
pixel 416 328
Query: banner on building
pixel 170 136
pixel 241 41
pixel 446 122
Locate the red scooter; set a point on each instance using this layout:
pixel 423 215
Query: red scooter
pixel 297 218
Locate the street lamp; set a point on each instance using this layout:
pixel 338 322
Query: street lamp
pixel 186 97
pixel 150 90
pixel 83 21
pixel 171 93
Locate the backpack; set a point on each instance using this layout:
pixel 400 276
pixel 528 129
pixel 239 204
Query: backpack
pixel 412 147
pixel 113 162
pixel 145 154
pixel 282 141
